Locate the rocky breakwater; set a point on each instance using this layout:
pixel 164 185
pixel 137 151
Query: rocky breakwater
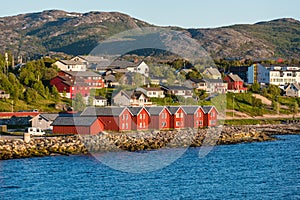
pixel 129 141
pixel 150 140
pixel 17 148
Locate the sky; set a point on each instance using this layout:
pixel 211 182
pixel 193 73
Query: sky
pixel 183 13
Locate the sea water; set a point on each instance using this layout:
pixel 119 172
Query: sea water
pixel 267 170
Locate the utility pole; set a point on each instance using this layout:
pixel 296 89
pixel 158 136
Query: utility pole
pixel 233 106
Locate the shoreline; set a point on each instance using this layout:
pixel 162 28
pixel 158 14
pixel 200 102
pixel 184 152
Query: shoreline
pixel 142 141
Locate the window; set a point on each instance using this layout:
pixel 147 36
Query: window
pixel 126 125
pixel 123 125
pixel 141 116
pixel 141 125
pixel 213 122
pixel 177 115
pixel 122 117
pixel 144 116
pixel 163 124
pixel 201 123
pixel 144 125
pixel 178 123
pixel 126 116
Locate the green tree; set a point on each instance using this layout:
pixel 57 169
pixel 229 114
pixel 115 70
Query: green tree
pixel 30 95
pixel 54 93
pixel 170 77
pixel 275 106
pixel 274 91
pixel 78 102
pixel 138 79
pixel 255 87
pixel 295 108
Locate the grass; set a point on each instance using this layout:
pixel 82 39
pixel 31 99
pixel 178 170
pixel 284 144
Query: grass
pixel 42 105
pixel 237 122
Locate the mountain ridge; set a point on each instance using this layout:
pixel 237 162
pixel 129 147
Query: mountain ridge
pixel 76 33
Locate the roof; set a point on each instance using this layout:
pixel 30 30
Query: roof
pixel 103 111
pixel 93 59
pixel 70 62
pixel 173 109
pixel 235 77
pixel 175 87
pixel 137 95
pixel 99 98
pixel 74 121
pixel 49 116
pixel 296 86
pixel 213 80
pixel 152 89
pixel 135 110
pixel 207 109
pixel 82 73
pixel 190 109
pixel 155 110
pixel 213 71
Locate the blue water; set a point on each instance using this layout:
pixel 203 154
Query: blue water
pixel 269 170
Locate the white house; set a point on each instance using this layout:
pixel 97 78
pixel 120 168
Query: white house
pixel 216 86
pixel 276 75
pixel 70 65
pixel 293 90
pixel 179 91
pixel 99 101
pixel 212 73
pixel 152 92
pixel 140 67
pixel 44 120
pixel 131 98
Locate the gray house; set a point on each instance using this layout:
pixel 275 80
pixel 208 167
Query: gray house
pixel 44 121
pixel 293 90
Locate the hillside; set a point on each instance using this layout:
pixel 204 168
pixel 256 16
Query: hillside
pixel 76 33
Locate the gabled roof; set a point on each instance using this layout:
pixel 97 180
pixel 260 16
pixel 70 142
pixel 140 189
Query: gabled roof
pixel 49 116
pixel 156 110
pixel 136 110
pixel 70 62
pixel 213 80
pixel 207 109
pixel 152 89
pixel 82 74
pixel 74 121
pixel 190 109
pixel 103 111
pixel 138 94
pixel 212 71
pixel 295 86
pixel 235 77
pixel 99 98
pixel 175 87
pixel 174 109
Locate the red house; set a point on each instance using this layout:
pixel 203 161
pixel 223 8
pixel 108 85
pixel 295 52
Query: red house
pixel 235 83
pixel 160 118
pixel 210 116
pixel 140 118
pixel 194 116
pixel 113 118
pixel 71 83
pixel 178 116
pixel 77 125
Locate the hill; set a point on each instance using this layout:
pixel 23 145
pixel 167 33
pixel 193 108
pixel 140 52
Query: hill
pixel 77 33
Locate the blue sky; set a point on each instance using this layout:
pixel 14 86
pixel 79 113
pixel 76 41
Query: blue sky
pixel 184 13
